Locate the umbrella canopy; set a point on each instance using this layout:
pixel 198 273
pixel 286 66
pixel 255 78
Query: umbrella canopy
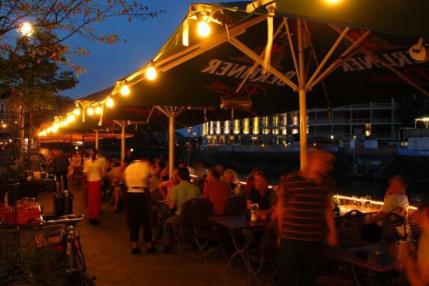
pixel 406 18
pixel 209 72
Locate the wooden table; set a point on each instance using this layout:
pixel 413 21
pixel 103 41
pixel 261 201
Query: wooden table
pixel 234 224
pixel 381 258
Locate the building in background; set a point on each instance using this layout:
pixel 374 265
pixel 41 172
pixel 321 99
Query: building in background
pixel 373 123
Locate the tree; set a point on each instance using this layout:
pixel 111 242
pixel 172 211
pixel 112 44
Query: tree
pixel 34 64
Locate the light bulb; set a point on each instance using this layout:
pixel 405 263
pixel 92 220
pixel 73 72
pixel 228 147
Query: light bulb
pixel 151 73
pixel 98 110
pixel 125 90
pixel 26 29
pixel 90 111
pixel 203 29
pixel 76 111
pixel 71 118
pixel 110 102
pixel 332 2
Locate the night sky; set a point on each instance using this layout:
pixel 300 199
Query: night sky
pixel 108 63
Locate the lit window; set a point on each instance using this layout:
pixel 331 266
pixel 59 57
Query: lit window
pixel 218 131
pixel 236 126
pixel 246 126
pixel 226 127
pixel 211 131
pixel 256 125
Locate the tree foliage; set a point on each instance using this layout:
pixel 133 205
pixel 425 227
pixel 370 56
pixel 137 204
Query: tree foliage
pixel 35 68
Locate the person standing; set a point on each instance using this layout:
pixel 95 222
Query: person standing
pixel 306 219
pixel 136 177
pixel 61 165
pixel 94 172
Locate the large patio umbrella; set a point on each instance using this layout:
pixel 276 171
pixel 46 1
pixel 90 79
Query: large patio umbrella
pixel 256 62
pixel 328 63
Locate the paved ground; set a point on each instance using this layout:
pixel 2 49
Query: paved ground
pixel 108 257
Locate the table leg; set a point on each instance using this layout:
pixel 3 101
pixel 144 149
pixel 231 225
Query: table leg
pixel 355 277
pixel 239 250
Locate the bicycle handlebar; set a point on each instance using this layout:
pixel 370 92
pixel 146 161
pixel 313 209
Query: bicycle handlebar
pixel 67 219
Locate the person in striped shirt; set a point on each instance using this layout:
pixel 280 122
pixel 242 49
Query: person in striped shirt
pixel 306 219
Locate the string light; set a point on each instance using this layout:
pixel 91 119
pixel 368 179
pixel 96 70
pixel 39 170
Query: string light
pixel 90 111
pixel 98 110
pixel 203 29
pixel 125 90
pixel 110 102
pixel 333 2
pixel 151 73
pixel 71 118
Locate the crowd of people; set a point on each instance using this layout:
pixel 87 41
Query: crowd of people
pixel 302 206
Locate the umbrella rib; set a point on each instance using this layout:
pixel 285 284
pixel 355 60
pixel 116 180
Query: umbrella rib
pixel 328 55
pixel 350 51
pixel 194 51
pixel 251 54
pixel 377 59
pixel 252 69
pixel 292 49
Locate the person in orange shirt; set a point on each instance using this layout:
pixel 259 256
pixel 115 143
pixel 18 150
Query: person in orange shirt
pixel 216 191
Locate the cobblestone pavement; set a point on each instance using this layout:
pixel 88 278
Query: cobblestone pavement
pixel 107 253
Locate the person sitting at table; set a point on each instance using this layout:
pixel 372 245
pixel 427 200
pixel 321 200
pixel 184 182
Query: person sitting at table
pixel 216 191
pixel 181 193
pixel 395 200
pixel 260 194
pixel 416 265
pixel 230 177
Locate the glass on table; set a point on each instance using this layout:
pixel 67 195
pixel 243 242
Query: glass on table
pixel 354 200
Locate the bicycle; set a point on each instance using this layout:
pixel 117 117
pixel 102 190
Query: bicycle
pixel 60 234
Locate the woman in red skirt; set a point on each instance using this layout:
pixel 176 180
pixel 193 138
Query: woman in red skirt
pixel 94 171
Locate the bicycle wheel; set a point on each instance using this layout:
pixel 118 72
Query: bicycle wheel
pixel 81 279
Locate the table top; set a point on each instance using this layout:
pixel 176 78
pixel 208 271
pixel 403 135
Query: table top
pixel 380 257
pixel 238 222
pixel 347 208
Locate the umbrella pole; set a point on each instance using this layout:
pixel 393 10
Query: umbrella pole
pixel 123 143
pixel 171 123
pixel 303 128
pixel 96 139
pixel 302 98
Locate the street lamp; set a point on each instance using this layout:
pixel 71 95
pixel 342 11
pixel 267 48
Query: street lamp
pixel 26 29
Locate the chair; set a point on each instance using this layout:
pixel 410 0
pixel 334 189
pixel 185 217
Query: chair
pixel 264 254
pixel 235 206
pixel 391 223
pixel 349 233
pixel 354 215
pixel 208 237
pixel 415 228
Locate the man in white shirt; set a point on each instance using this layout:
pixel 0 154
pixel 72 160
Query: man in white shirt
pixel 395 200
pixel 416 265
pixel 136 177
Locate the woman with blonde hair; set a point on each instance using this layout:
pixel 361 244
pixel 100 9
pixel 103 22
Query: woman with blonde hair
pixel 230 177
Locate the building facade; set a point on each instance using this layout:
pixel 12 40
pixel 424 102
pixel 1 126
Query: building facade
pixel 372 121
